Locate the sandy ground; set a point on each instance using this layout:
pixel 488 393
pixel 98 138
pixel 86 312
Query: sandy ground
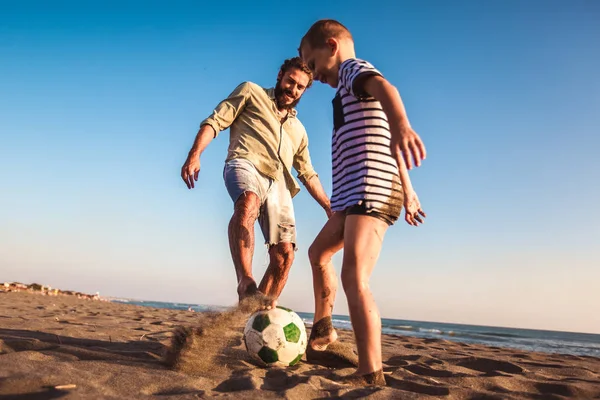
pixel 62 347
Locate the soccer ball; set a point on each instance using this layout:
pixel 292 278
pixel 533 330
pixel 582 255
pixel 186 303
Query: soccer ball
pixel 275 337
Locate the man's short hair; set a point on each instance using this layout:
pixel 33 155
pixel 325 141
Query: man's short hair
pixel 296 62
pixel 321 31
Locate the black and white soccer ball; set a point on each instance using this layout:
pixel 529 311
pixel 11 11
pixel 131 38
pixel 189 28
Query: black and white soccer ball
pixel 275 337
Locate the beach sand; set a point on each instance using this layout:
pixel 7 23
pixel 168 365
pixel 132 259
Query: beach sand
pixel 62 347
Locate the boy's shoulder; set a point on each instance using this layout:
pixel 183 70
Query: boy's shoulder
pixel 355 63
pixel 352 75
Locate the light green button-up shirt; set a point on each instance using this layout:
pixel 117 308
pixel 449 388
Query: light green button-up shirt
pixel 258 135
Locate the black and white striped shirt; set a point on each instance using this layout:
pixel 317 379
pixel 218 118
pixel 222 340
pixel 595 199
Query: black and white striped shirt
pixel 364 170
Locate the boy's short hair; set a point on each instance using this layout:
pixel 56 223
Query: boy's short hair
pixel 321 31
pixel 296 62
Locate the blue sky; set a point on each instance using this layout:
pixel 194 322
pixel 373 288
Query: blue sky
pixel 100 103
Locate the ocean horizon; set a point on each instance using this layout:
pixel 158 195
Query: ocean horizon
pixel 547 341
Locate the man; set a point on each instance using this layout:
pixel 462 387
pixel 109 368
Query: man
pixel 266 141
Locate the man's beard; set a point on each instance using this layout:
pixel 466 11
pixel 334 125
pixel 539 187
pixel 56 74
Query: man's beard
pixel 280 97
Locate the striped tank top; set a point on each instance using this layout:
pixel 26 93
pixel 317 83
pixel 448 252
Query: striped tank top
pixel 364 171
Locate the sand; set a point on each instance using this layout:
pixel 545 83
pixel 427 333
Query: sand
pixel 63 347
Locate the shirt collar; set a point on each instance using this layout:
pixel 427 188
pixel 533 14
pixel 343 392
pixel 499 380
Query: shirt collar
pixel 271 94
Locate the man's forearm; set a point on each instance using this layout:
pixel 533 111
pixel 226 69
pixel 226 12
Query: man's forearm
pixel 203 138
pixel 314 187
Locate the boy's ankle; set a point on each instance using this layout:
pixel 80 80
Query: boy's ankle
pixel 322 334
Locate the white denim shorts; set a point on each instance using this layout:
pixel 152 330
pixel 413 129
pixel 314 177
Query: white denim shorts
pixel 276 214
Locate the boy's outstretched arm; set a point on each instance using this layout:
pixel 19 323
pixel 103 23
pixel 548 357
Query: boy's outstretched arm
pixel 405 141
pixel 412 205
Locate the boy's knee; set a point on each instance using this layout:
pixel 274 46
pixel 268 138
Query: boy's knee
pixel 313 255
pixel 316 257
pixel 352 283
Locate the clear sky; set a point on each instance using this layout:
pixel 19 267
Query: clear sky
pixel 100 102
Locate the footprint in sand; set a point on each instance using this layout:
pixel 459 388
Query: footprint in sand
pixel 555 388
pixel 278 380
pixel 236 384
pixel 415 347
pixel 542 365
pixel 488 365
pixel 426 371
pixel 415 387
pixel 397 361
pixel 427 360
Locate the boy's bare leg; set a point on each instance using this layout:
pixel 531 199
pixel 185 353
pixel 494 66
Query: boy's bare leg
pixel 323 346
pixel 363 237
pixel 328 242
pixel 241 241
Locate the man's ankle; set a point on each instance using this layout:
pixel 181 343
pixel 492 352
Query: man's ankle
pixel 246 287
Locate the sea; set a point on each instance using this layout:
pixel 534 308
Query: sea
pixel 581 344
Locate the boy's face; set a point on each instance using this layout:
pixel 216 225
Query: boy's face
pixel 323 62
pixel 290 88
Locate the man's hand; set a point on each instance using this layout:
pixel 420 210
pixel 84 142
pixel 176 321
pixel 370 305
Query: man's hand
pixel 406 143
pixel 328 212
pixel 190 171
pixel 412 208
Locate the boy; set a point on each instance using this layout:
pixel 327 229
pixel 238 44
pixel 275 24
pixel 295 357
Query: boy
pixel 371 143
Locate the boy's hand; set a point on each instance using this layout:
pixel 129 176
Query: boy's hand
pixel 406 143
pixel 412 208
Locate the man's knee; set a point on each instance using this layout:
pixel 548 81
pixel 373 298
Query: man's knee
pixel 283 253
pixel 246 207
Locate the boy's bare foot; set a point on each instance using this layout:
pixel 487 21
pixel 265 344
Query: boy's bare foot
pixel 324 349
pixel 322 334
pixel 372 379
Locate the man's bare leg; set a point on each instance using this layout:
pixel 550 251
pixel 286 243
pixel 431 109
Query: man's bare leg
pixel 329 241
pixel 241 241
pixel 281 257
pixel 363 237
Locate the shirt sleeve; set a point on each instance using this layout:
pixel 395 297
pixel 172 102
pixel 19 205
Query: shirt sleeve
pixel 228 110
pixel 353 74
pixel 302 163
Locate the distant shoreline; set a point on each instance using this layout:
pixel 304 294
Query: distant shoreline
pixel 47 290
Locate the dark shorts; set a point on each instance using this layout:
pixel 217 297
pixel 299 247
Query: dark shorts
pixel 361 209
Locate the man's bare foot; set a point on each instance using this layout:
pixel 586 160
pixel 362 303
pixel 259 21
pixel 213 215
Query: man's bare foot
pixel 272 303
pixel 246 287
pixel 257 302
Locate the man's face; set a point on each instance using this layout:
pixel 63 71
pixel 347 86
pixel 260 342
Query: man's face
pixel 322 62
pixel 290 87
